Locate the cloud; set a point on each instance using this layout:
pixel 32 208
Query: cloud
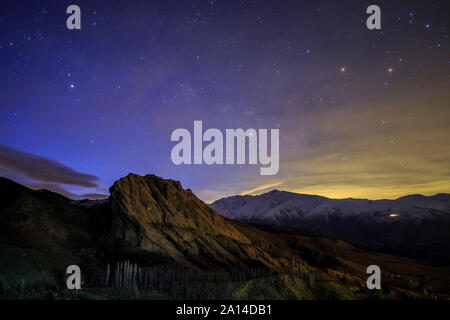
pixel 207 195
pixel 260 188
pixel 94 196
pixel 207 191
pixel 42 169
pixel 53 188
pixel 58 189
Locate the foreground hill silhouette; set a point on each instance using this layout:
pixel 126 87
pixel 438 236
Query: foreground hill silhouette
pixel 165 242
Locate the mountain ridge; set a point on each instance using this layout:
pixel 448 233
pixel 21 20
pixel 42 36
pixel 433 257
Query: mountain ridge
pixel 155 223
pixel 439 194
pixel 415 222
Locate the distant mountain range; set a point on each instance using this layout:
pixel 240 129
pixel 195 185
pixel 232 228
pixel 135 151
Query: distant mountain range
pixel 415 224
pixel 154 239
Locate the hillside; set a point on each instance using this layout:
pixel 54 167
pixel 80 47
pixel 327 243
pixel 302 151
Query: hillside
pixel 161 240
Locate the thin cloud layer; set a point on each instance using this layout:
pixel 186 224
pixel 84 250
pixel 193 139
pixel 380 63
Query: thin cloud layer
pixel 60 190
pixel 42 169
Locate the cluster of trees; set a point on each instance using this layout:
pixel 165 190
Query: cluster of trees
pixel 173 281
pixel 185 283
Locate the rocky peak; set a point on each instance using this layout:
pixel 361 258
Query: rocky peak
pixel 158 215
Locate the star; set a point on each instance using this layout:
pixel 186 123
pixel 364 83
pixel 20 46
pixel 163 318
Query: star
pixel 343 69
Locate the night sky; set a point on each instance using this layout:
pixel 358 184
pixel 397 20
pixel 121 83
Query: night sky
pixel 361 113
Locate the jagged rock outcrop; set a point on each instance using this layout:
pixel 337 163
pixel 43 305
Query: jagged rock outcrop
pixel 158 215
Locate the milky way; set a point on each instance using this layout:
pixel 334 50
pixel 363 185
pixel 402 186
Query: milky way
pixel 361 113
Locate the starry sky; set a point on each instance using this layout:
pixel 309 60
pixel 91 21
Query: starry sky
pixel 361 113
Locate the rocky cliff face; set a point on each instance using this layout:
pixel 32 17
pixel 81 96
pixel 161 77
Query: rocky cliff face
pixel 159 216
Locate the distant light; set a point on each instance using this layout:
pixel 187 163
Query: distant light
pixel 72 86
pixel 390 70
pixel 393 215
pixel 308 51
pixel 427 26
pixel 343 69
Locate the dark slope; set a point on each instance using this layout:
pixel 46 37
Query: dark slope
pixel 41 233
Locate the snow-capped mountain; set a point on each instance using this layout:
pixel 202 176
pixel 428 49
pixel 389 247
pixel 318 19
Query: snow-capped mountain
pixel 280 205
pixel 413 221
